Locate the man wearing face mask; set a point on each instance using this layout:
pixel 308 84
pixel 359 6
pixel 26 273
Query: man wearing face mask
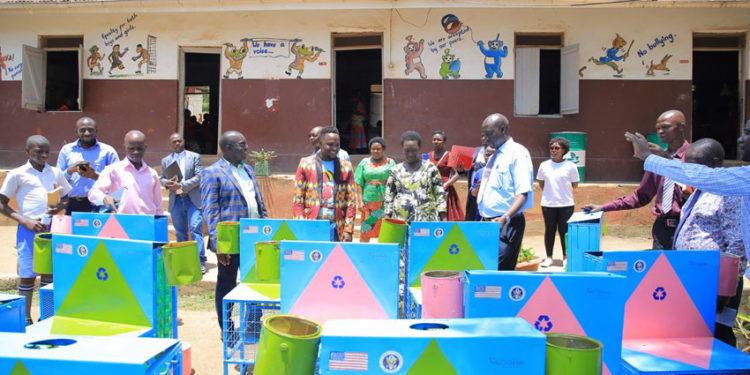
pixel 82 161
pixel 325 188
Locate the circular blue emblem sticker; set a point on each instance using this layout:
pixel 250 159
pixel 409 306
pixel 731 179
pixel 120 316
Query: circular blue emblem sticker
pixel 438 232
pixel 517 293
pixel 267 230
pixel 316 256
pixel 82 251
pixel 639 265
pixel 391 362
pixel 97 223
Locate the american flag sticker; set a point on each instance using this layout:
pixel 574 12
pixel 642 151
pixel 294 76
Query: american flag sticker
pixel 487 291
pixel 421 232
pixel 298 255
pixel 348 361
pixel 250 229
pixel 64 248
pixel 619 265
pixel 81 223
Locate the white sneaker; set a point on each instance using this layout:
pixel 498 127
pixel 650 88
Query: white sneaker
pixel 546 263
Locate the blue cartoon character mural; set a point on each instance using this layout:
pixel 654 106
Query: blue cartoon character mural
pixel 611 58
pixel 302 54
pixel 492 55
pixel 413 56
pixel 450 66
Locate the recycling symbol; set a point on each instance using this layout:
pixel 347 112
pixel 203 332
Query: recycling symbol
pixel 543 323
pixel 660 294
pixel 338 282
pixel 102 274
pixel 453 249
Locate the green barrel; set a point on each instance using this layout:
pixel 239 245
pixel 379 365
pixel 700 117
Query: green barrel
pixel 573 354
pixel 577 153
pixel 288 345
pixel 393 231
pixel 267 259
pixel 43 253
pixel 228 237
pixel 182 264
pixel 654 138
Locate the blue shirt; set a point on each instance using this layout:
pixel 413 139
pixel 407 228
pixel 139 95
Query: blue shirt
pixel 734 182
pixel 99 155
pixel 508 173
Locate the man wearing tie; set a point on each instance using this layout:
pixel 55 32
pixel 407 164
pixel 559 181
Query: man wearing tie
pixel 670 126
pixel 185 193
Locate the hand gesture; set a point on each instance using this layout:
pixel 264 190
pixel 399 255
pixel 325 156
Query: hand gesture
pixel 172 184
pixel 33 225
pixel 110 202
pixel 641 148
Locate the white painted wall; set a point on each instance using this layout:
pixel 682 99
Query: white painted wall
pixel 593 29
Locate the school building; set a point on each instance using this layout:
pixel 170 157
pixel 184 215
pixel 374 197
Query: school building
pixel 274 69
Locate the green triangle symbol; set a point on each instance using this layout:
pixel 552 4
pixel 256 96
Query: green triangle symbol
pixel 432 361
pixel 272 291
pixel 454 253
pixel 19 369
pixel 101 293
pixel 250 276
pixel 284 233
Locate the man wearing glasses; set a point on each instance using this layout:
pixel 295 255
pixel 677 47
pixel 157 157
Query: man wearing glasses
pixel 670 126
pixel 229 191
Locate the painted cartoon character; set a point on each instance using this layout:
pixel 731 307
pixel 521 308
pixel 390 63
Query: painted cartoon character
pixel 413 56
pixel 492 55
pixel 450 65
pixel 611 57
pixel 143 55
pixel 114 58
pixel 235 56
pixel 93 60
pixel 661 66
pixel 302 54
pixel 2 64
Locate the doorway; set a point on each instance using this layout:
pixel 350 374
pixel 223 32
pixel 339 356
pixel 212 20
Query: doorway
pixel 200 87
pixel 717 93
pixel 357 89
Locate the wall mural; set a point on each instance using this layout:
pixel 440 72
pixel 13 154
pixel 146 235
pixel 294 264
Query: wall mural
pixel 611 57
pixel 413 56
pixel 492 56
pixel 657 46
pixel 274 48
pixel 116 61
pixel 450 66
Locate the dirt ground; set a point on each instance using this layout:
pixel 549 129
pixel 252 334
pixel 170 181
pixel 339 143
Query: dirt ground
pixel 199 324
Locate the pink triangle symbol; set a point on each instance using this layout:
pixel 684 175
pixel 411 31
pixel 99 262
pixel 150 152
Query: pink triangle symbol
pixel 337 291
pixel 113 229
pixel 660 307
pixel 605 369
pixel 695 351
pixel 548 312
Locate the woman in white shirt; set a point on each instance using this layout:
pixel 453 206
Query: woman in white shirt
pixel 557 178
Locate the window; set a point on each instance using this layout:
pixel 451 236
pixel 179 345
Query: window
pixel 52 74
pixel 546 80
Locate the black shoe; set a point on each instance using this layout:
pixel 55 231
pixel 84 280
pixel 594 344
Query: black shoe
pixel 29 322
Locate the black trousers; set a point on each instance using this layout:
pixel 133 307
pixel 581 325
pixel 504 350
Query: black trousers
pixel 556 220
pixel 663 233
pixel 511 235
pixel 80 205
pixel 226 280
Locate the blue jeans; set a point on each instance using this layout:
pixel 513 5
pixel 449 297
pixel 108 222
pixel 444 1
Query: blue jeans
pixel 186 217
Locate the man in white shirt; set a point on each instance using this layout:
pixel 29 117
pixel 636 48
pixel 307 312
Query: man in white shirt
pixel 506 189
pixel 185 193
pixel 30 184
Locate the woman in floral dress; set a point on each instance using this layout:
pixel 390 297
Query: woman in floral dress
pixel 371 176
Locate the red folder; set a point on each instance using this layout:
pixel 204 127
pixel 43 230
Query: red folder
pixel 461 157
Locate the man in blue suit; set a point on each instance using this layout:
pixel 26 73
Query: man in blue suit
pixel 229 191
pixel 184 198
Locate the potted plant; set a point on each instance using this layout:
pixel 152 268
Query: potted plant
pixel 527 260
pixel 261 159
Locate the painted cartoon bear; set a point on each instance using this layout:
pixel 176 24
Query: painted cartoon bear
pixel 413 56
pixel 492 55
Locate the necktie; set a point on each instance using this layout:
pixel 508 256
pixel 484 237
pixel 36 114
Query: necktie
pixel 485 178
pixel 686 210
pixel 666 195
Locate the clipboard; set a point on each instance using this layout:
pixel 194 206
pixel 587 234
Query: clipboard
pixel 172 171
pixel 53 197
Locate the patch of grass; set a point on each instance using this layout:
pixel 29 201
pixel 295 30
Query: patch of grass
pixel 196 297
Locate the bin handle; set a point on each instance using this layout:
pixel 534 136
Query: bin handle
pixel 283 346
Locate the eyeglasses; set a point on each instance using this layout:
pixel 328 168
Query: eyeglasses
pixel 554 147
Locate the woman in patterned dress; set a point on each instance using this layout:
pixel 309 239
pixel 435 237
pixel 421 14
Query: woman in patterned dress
pixel 414 191
pixel 440 157
pixel 371 176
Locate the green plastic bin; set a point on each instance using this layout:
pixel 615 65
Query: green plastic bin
pixel 42 263
pixel 288 345
pixel 654 138
pixel 393 231
pixel 573 354
pixel 267 261
pixel 577 153
pixel 228 237
pixel 182 264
